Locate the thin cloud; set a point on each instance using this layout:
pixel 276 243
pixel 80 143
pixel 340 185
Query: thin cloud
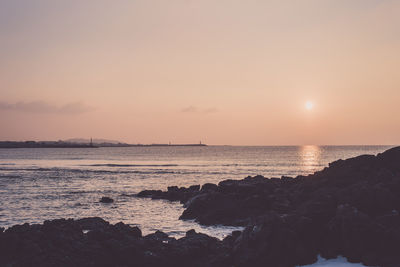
pixel 46 108
pixel 193 109
pixel 190 109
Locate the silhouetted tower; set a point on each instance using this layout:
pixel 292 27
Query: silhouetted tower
pixel 91 141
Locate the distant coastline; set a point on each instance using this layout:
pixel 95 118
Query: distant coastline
pixel 167 145
pixel 67 144
pixel 43 144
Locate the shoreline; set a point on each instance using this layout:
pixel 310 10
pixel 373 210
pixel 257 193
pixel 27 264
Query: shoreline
pixel 350 208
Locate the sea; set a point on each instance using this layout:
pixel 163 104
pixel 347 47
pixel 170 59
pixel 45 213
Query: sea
pixel 38 184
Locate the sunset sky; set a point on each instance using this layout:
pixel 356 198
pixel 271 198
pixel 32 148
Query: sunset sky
pixel 223 72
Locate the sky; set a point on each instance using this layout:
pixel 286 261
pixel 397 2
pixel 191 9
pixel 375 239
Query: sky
pixel 224 72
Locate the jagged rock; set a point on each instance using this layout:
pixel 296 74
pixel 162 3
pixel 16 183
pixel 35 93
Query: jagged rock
pixel 92 223
pixel 369 183
pixel 173 193
pixel 349 208
pixel 62 243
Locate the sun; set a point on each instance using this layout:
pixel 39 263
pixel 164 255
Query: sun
pixel 309 105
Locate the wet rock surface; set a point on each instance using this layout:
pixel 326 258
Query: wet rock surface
pixel 350 209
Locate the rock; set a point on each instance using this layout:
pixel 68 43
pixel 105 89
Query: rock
pixel 275 242
pixel 92 223
pixel 62 243
pixel 230 239
pixel 209 187
pixel 190 232
pixel 106 200
pixel 369 183
pixel 173 193
pixel 349 208
pixel 211 208
pixel 361 238
pixel 194 188
pixel 126 229
pixel 159 235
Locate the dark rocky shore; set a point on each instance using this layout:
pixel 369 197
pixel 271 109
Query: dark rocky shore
pixel 350 208
pixel 95 242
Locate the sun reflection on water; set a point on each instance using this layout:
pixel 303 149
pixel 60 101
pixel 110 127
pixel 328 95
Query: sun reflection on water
pixel 310 156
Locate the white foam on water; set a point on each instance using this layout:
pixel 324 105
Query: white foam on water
pixel 338 262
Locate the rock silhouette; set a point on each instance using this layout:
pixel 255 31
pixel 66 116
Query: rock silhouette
pixel 350 208
pixel 64 243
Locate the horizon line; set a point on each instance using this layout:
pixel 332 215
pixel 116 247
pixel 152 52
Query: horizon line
pixel 246 145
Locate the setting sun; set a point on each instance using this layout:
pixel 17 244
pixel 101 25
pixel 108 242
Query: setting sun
pixel 309 105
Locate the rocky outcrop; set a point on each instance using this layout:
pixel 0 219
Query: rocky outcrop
pixel 369 183
pixel 350 208
pixel 173 193
pixel 95 242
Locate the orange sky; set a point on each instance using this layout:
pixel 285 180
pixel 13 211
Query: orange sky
pixel 224 72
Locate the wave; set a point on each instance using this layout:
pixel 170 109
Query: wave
pixel 10 176
pixel 103 171
pixel 277 172
pixel 338 262
pixel 83 171
pixel 131 165
pixel 17 169
pixel 63 171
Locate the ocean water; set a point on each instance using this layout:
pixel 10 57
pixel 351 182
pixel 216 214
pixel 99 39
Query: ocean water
pixel 38 184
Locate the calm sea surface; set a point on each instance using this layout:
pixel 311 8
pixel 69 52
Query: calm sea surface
pixel 48 183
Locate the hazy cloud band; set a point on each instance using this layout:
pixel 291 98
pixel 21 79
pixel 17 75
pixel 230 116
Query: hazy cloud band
pixel 46 108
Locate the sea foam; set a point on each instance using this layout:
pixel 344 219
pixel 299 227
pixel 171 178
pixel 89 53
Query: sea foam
pixel 338 262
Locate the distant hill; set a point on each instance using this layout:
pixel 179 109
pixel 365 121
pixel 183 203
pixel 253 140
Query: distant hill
pixel 95 141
